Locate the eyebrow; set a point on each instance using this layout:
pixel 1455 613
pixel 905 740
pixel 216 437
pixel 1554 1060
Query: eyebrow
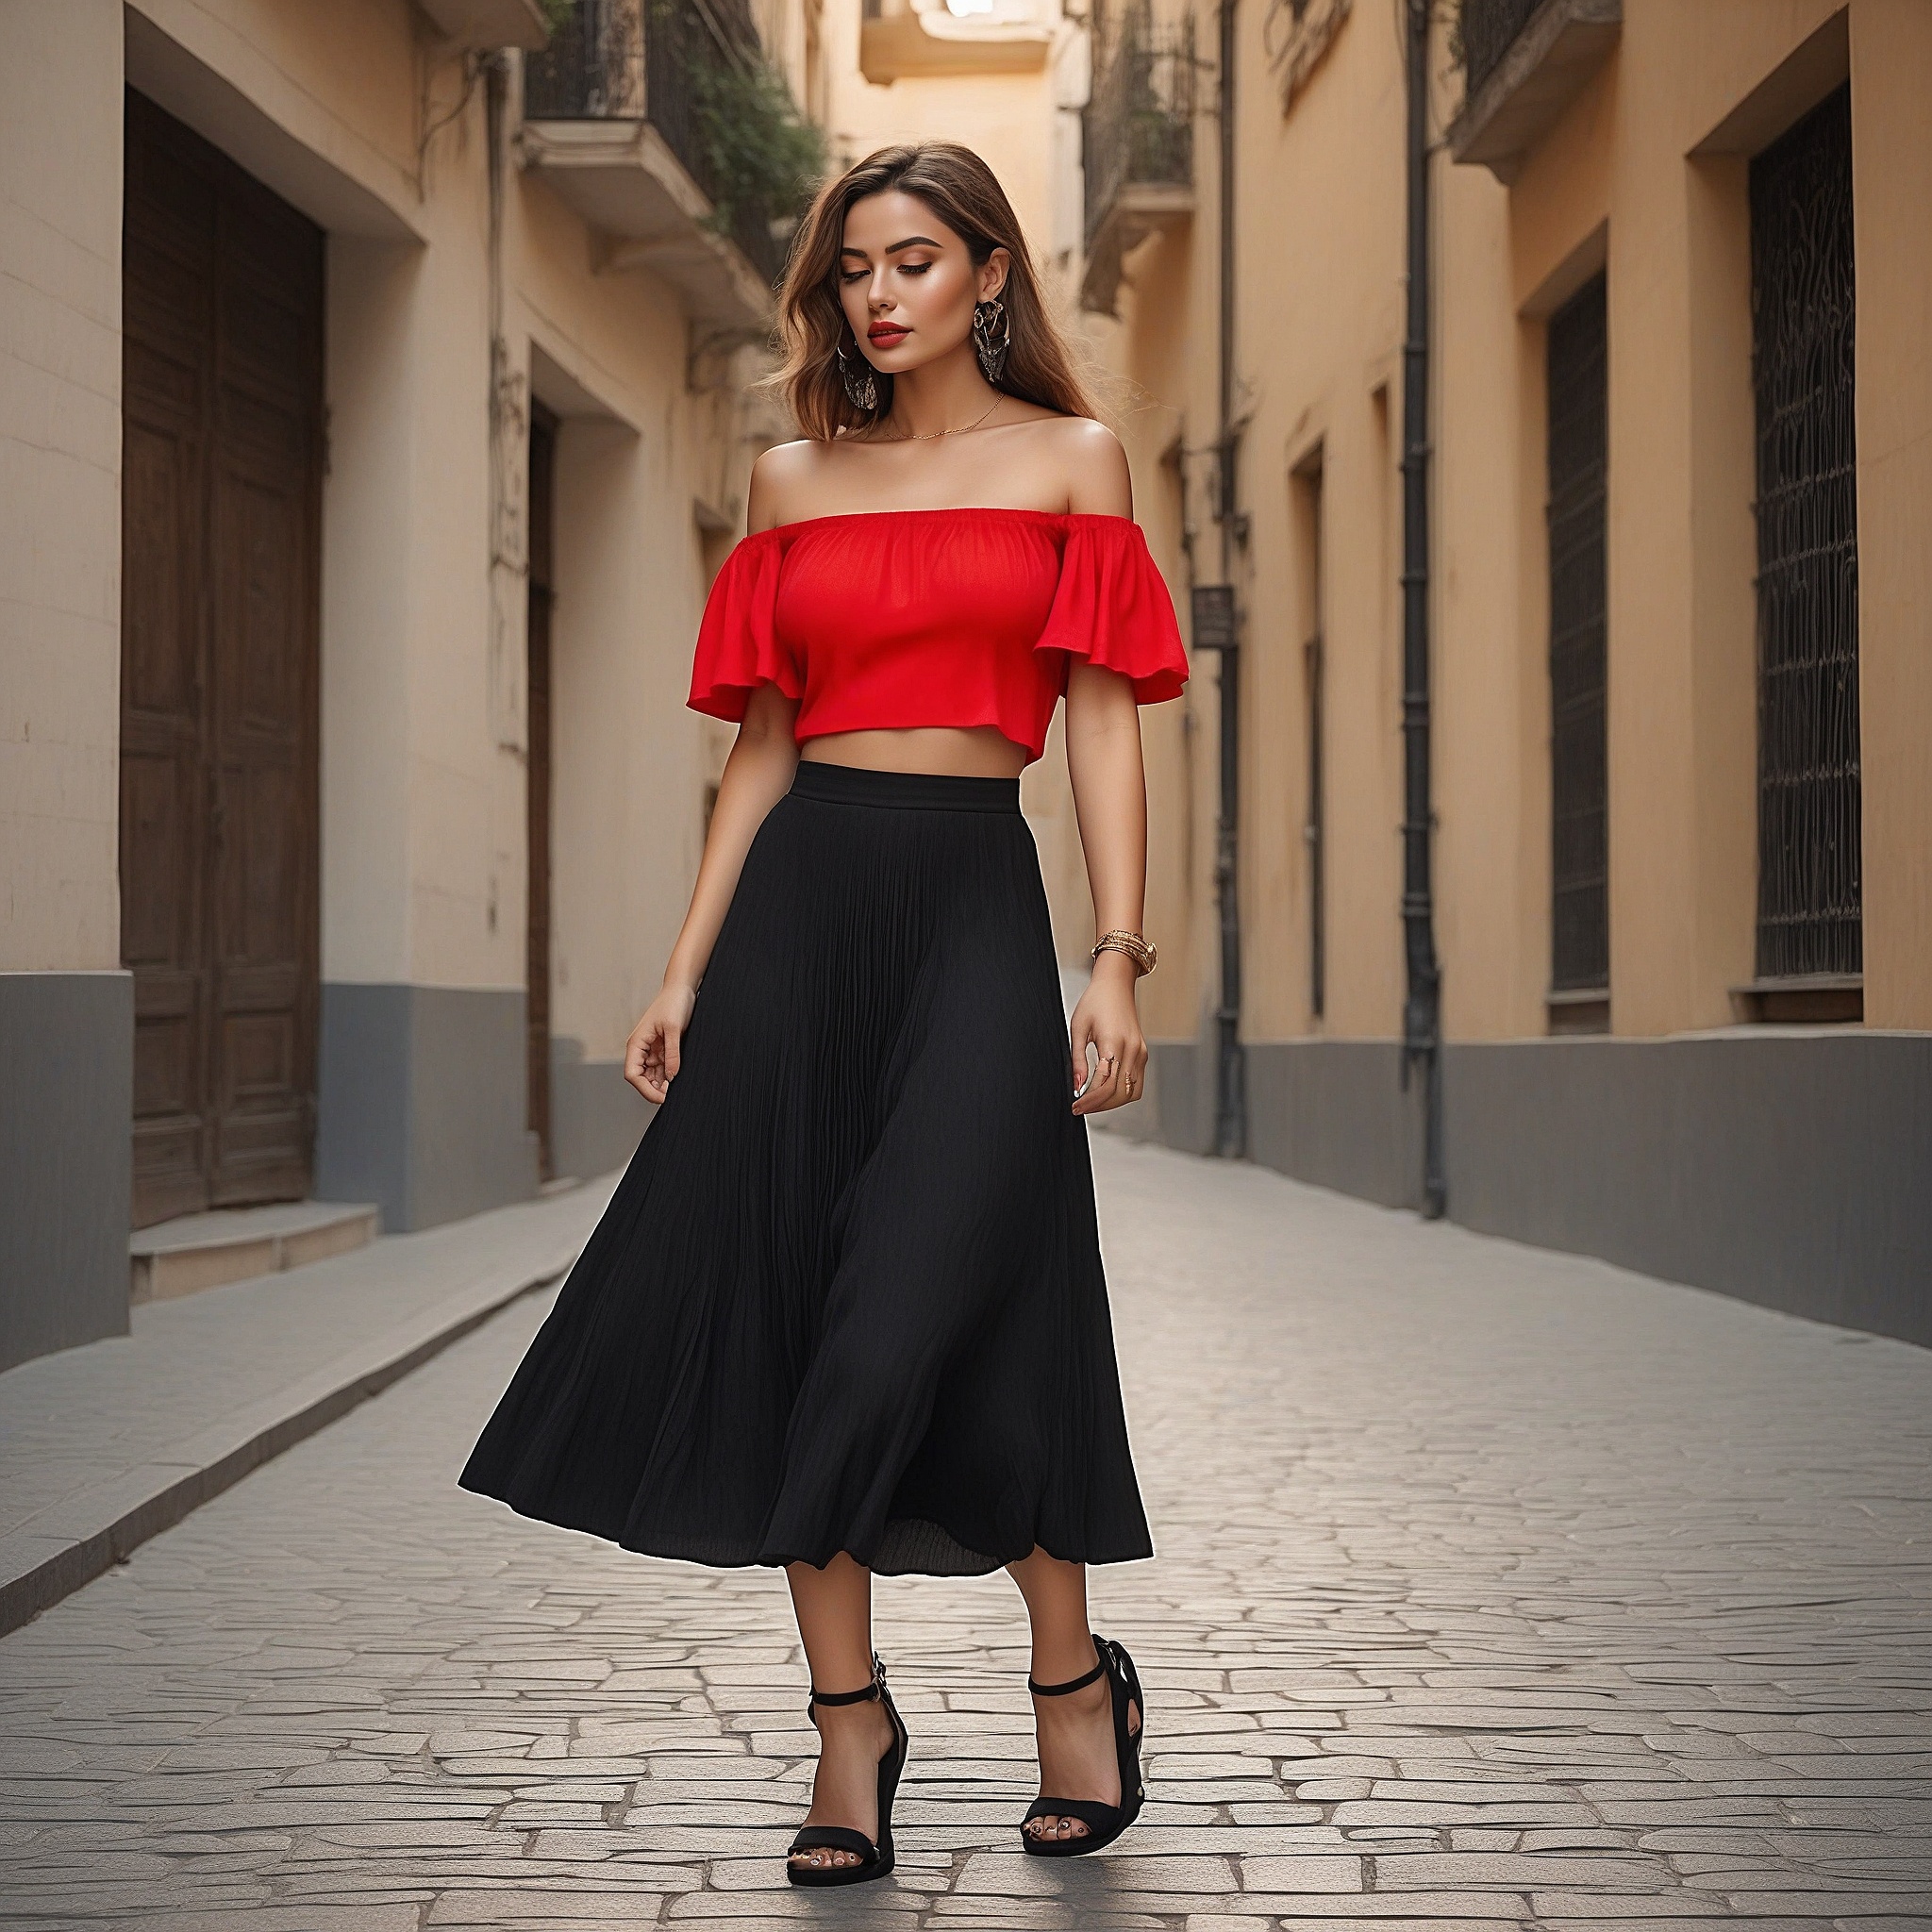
pixel 910 241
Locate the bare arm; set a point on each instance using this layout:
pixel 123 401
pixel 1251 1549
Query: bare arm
pixel 1110 802
pixel 757 774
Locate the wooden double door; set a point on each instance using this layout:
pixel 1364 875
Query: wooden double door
pixel 220 851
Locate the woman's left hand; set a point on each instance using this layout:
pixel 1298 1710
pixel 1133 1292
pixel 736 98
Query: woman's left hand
pixel 1106 1021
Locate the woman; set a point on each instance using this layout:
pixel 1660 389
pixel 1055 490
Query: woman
pixel 845 1311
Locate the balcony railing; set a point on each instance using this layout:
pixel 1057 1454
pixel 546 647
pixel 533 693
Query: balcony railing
pixel 1489 30
pixel 653 60
pixel 1137 127
pixel 1524 62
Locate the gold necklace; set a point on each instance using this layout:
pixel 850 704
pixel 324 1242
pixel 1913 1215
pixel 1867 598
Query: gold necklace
pixel 927 435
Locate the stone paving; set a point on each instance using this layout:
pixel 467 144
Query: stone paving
pixel 1495 1588
pixel 94 1419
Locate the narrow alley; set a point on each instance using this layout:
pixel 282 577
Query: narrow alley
pixel 1494 1588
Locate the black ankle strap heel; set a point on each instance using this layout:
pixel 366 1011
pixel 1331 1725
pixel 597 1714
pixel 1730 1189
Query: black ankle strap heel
pixel 874 1857
pixel 1104 1822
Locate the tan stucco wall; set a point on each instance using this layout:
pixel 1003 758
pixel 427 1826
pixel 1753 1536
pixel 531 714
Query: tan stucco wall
pixel 1318 324
pixel 60 121
pixel 1891 176
pixel 1645 172
pixel 1158 396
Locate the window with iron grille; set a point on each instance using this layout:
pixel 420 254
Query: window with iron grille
pixel 1808 890
pixel 1308 491
pixel 1579 814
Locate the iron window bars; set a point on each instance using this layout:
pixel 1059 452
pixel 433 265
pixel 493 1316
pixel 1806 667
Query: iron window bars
pixel 1579 801
pixel 1809 908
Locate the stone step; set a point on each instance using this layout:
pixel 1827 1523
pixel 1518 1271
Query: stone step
pixel 196 1251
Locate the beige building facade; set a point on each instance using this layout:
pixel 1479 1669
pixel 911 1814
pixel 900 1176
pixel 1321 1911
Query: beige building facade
pixel 1678 449
pixel 376 406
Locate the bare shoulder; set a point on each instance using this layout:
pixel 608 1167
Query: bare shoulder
pixel 1095 467
pixel 780 479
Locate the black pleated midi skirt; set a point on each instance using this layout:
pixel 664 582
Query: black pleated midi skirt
pixel 848 1293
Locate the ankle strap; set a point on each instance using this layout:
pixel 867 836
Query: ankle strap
pixel 875 1688
pixel 819 1696
pixel 1079 1683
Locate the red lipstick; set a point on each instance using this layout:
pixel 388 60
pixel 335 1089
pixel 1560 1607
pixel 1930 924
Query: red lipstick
pixel 886 333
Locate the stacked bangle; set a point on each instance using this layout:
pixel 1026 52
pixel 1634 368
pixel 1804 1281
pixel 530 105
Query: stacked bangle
pixel 1121 940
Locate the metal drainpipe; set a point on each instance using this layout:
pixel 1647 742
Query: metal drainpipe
pixel 1231 1110
pixel 1422 1012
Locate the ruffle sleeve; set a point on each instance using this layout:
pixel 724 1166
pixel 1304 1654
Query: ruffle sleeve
pixel 739 647
pixel 1113 607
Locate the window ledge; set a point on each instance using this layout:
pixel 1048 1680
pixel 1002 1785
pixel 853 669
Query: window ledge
pixel 1579 1011
pixel 1806 999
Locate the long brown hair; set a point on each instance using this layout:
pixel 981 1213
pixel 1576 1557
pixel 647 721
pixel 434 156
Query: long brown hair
pixel 962 191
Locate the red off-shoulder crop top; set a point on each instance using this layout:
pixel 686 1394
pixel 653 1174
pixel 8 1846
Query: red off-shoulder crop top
pixel 888 619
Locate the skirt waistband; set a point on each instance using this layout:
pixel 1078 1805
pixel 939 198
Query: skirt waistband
pixel 902 790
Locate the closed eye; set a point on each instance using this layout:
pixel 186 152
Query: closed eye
pixel 909 268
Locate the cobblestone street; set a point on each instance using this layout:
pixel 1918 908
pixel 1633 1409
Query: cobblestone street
pixel 1494 1588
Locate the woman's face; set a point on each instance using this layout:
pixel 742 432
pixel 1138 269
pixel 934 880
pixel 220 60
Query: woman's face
pixel 907 283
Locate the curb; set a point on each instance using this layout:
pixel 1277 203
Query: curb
pixel 141 1504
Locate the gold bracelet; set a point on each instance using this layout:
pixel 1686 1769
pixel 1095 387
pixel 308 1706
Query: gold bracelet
pixel 1121 940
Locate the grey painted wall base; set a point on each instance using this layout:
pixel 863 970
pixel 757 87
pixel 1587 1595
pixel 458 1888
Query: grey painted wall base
pixel 66 1159
pixel 422 1101
pixel 1792 1168
pixel 1179 1106
pixel 1336 1112
pixel 596 1117
pixel 1331 1112
pixel 1789 1168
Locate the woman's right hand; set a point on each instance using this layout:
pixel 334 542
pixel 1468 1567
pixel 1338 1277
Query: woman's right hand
pixel 651 1053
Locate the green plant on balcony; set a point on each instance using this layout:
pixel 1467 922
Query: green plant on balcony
pixel 764 160
pixel 696 72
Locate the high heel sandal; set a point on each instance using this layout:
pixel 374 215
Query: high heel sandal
pixel 874 1857
pixel 1104 1822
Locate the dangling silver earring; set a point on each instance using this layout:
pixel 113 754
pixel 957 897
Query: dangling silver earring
pixel 862 390
pixel 991 348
